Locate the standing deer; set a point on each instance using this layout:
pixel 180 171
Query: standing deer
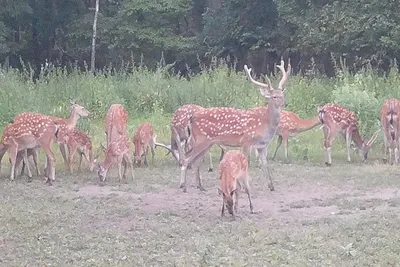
pixel 143 139
pixel 179 134
pixel 233 175
pixel 336 119
pixel 78 141
pixel 115 122
pixel 237 127
pixel 29 133
pixel 390 121
pixel 117 151
pixel 291 125
pixel 65 126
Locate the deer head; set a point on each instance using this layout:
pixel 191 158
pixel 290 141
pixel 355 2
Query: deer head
pixel 364 149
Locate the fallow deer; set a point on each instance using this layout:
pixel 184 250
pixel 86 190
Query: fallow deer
pixel 237 127
pixel 78 141
pixel 143 140
pixel 30 133
pixel 291 125
pixel 390 121
pixel 117 151
pixel 233 175
pixel 65 126
pixel 179 134
pixel 336 119
pixel 115 122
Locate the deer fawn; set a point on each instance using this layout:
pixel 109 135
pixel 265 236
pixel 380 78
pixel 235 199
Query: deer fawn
pixel 237 127
pixel 233 174
pixel 336 119
pixel 143 139
pixel 390 121
pixel 115 122
pixel 116 152
pixel 291 125
pixel 78 141
pixel 22 135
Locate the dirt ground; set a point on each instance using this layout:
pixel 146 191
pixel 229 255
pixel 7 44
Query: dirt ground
pixel 344 215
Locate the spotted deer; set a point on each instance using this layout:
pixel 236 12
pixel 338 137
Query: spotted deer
pixel 233 175
pixel 78 141
pixel 179 134
pixel 336 119
pixel 117 152
pixel 65 126
pixel 390 122
pixel 233 127
pixel 115 122
pixel 291 125
pixel 25 134
pixel 143 140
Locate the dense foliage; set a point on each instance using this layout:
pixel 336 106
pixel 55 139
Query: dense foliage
pixel 257 32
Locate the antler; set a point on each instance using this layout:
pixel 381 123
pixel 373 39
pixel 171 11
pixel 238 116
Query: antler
pixel 248 72
pixel 373 138
pixel 285 74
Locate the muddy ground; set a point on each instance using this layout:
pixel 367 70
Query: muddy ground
pixel 344 215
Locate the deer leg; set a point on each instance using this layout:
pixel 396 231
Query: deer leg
pixel 197 152
pixel 348 143
pixel 236 201
pixel 128 160
pixel 120 170
pixel 223 208
pixel 50 168
pixel 35 160
pixel 328 138
pixel 18 161
pixel 196 164
pixel 278 144
pixel 247 190
pixel 71 154
pixel 211 167
pixel 222 153
pixel 63 153
pixel 25 158
pixel 81 155
pixel 285 139
pixel 152 147
pixel 13 150
pixel 264 164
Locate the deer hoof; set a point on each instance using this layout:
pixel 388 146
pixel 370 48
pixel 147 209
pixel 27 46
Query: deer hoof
pixel 328 164
pixel 271 187
pixel 210 169
pixel 30 179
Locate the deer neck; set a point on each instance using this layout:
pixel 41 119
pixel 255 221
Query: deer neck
pixel 272 118
pixel 357 138
pixel 305 125
pixel 71 122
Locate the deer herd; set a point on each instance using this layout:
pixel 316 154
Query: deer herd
pixel 194 130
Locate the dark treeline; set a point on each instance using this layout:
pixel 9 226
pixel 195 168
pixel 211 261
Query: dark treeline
pixel 314 33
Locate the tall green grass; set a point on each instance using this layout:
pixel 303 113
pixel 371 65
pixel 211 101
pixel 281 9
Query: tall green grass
pixel 154 95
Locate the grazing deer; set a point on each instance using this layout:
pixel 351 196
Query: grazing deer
pixel 116 152
pixel 237 127
pixel 78 141
pixel 291 125
pixel 65 126
pixel 22 135
pixel 233 175
pixel 336 119
pixel 115 122
pixel 143 139
pixel 390 121
pixel 179 134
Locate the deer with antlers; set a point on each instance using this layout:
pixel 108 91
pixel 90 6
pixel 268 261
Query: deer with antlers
pixel 237 127
pixel 336 119
pixel 117 152
pixel 26 134
pixel 143 140
pixel 233 175
pixel 115 122
pixel 78 141
pixel 390 121
pixel 65 126
pixel 291 125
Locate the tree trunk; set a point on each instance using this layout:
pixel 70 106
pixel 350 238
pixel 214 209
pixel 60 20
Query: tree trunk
pixel 93 56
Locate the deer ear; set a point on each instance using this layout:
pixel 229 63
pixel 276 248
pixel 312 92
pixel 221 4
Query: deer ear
pixel 265 92
pixel 72 101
